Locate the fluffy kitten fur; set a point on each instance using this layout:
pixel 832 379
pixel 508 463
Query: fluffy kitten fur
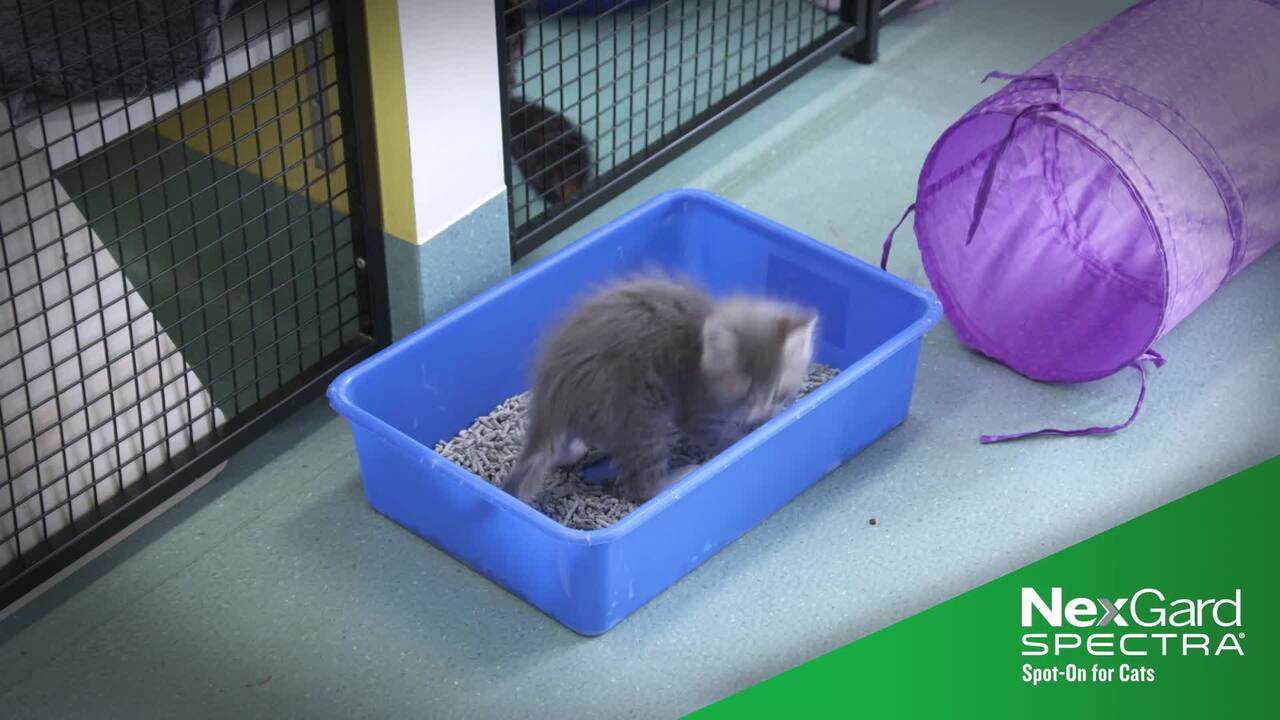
pixel 648 357
pixel 552 154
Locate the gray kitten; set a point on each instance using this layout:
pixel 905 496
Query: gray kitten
pixel 650 357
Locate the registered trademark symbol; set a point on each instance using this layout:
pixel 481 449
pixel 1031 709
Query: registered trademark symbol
pixel 1241 636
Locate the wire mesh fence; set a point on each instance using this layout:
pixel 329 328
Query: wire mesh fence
pixel 598 88
pixel 181 246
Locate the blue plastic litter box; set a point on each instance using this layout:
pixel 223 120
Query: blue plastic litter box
pixel 438 380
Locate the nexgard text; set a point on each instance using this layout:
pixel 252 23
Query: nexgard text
pixel 1144 623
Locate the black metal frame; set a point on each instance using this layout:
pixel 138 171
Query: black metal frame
pixel 871 14
pixel 857 38
pixel 57 552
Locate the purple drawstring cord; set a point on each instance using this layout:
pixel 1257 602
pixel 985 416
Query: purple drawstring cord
pixel 1052 78
pixel 1150 356
pixel 888 241
pixel 988 175
pixel 980 203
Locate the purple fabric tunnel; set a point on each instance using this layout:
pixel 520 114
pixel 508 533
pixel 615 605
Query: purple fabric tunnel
pixel 1076 216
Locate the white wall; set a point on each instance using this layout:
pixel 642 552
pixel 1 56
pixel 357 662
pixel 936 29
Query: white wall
pixel 455 127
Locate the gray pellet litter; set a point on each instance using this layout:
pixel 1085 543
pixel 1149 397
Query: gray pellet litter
pixel 489 448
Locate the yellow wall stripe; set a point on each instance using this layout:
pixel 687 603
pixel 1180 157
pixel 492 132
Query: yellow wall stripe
pixel 391 119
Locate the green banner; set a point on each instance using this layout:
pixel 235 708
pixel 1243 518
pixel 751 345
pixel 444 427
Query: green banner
pixel 1173 614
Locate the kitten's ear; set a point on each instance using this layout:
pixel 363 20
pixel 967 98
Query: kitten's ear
pixel 800 331
pixel 719 346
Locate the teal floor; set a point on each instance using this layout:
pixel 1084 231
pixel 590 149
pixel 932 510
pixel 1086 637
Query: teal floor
pixel 276 592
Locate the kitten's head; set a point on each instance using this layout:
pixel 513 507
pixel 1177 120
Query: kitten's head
pixel 756 355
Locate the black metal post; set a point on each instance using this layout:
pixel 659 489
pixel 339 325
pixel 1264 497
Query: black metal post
pixel 351 38
pixel 866 50
pixel 506 78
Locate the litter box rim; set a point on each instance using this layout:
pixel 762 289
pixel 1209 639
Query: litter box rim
pixel 340 399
